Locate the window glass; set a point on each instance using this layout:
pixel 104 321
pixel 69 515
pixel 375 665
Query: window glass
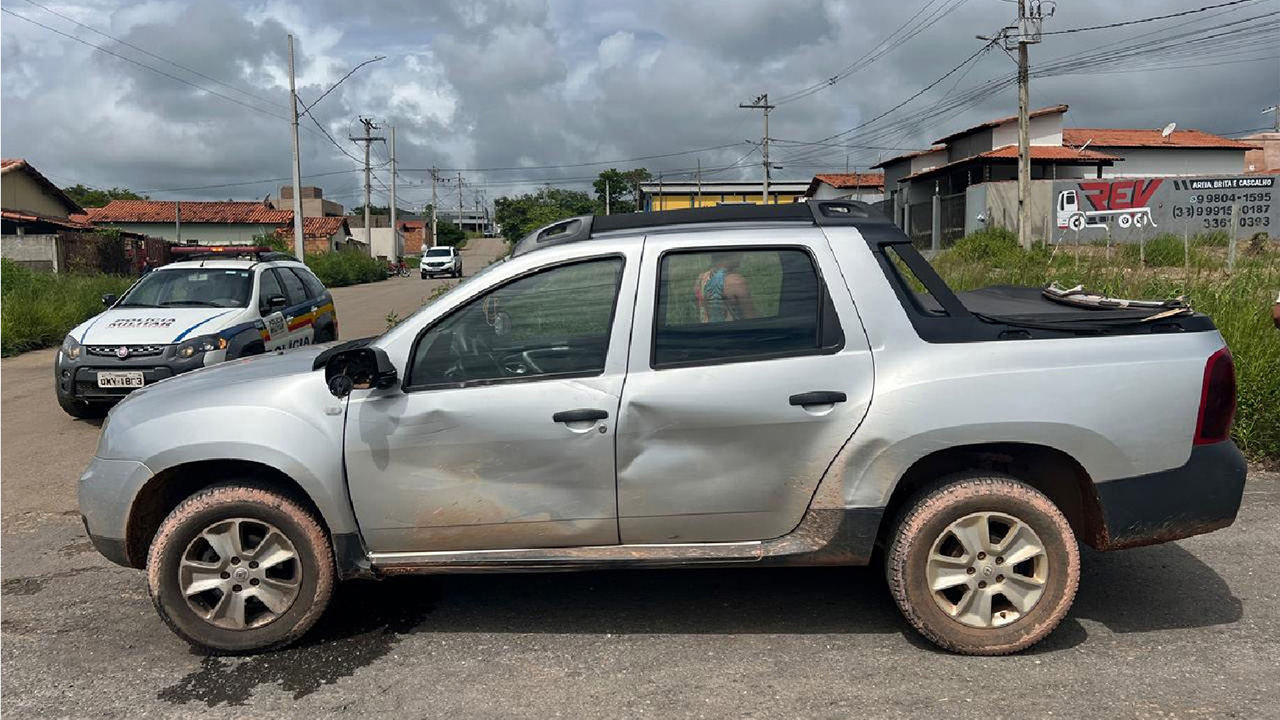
pixel 191 287
pixel 314 287
pixel 728 305
pixel 554 322
pixel 440 252
pixel 293 287
pixel 268 286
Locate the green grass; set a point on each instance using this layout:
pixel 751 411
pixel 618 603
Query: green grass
pixel 38 309
pixel 346 267
pixel 1239 302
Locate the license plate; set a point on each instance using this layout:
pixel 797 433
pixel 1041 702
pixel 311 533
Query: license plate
pixel 120 379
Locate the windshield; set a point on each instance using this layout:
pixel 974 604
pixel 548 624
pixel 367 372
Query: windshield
pixel 191 287
pixel 439 252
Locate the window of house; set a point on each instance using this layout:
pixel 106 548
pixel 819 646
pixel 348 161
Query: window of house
pixel 733 305
pixel 555 322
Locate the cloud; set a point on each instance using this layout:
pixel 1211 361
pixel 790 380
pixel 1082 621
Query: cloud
pixel 534 83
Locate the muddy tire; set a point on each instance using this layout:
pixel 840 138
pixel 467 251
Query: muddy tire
pixel 238 569
pixel 948 571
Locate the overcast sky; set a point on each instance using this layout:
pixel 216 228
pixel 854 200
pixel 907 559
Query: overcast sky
pixel 533 83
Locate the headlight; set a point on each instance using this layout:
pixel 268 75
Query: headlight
pixel 202 344
pixel 70 348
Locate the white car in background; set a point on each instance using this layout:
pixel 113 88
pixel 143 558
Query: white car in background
pixel 219 304
pixel 441 260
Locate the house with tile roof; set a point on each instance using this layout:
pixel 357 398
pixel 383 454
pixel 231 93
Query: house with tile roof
pixel 193 222
pixel 30 204
pixel 322 234
pixel 866 187
pixel 938 180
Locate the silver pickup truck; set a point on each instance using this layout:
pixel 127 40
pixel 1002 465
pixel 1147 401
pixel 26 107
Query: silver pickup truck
pixel 742 385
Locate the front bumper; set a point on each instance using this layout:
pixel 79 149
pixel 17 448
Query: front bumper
pixel 1201 496
pixel 78 379
pixel 107 490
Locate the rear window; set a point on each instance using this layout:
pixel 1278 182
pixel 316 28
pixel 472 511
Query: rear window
pixel 314 287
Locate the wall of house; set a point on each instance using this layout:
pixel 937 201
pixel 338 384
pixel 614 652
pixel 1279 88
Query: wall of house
pixel 1168 162
pixel 970 145
pixel 381 244
pixel 38 252
pixel 1044 130
pixel 921 163
pixel 20 192
pixel 199 233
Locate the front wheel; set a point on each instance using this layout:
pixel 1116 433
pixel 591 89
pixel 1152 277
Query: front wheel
pixel 983 565
pixel 240 569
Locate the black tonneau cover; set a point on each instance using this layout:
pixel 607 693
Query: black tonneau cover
pixel 1018 304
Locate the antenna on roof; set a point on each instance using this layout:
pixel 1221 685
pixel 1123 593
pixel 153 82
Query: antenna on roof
pixel 1085 145
pixel 1168 130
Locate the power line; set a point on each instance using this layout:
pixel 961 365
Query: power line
pixel 143 65
pixel 576 165
pixel 158 57
pixel 1143 20
pixel 246 183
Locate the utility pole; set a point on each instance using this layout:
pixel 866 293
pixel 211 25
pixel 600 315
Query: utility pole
pixel 460 203
pixel 606 196
pixel 368 139
pixel 299 247
pixel 762 103
pixel 177 221
pixel 435 175
pixel 660 195
pixel 1028 34
pixel 395 229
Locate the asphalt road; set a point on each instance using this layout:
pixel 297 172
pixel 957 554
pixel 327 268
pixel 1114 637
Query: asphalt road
pixel 1188 629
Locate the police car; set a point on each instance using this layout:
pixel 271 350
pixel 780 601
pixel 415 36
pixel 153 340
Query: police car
pixel 216 304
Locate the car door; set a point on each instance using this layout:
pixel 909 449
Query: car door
pixel 299 316
pixel 502 434
pixel 275 326
pixel 749 370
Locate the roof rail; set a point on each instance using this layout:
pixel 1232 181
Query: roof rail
pixel 182 253
pixel 812 212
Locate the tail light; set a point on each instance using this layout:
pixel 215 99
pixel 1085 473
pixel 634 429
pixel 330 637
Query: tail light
pixel 1217 399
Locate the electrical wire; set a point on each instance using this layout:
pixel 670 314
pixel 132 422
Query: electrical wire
pixel 1142 20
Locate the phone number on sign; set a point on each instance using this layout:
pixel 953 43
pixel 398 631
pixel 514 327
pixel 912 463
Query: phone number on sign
pixel 1258 197
pixel 1219 216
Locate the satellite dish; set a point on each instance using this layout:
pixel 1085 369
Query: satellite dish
pixel 1168 129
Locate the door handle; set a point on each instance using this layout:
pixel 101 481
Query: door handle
pixel 580 415
pixel 819 397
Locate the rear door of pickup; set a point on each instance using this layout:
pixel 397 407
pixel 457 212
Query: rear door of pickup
pixel 748 371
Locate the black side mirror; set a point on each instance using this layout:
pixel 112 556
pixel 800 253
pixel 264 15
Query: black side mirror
pixel 275 302
pixel 359 368
pixel 109 299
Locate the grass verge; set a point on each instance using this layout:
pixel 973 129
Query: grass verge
pixel 38 309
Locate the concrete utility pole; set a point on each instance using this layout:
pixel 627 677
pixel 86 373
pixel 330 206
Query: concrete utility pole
pixel 762 103
pixel 177 221
pixel 396 247
pixel 606 196
pixel 460 203
pixel 1028 34
pixel 435 175
pixel 368 139
pixel 299 247
pixel 699 176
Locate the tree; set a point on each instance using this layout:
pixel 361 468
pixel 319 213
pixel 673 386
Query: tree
pixel 87 197
pixel 373 210
pixel 624 189
pixel 447 233
pixel 523 214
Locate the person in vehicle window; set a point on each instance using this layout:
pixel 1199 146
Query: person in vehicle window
pixel 721 293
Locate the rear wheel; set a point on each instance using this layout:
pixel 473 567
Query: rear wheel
pixel 240 569
pixel 983 565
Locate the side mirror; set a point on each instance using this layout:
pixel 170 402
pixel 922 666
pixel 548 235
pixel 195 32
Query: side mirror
pixel 275 302
pixel 359 368
pixel 109 299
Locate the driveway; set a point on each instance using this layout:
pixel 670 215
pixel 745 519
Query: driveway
pixel 1188 629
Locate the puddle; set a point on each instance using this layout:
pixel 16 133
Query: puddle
pixel 364 622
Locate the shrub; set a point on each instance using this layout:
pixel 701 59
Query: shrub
pixel 1164 250
pixel 38 309
pixel 994 245
pixel 346 267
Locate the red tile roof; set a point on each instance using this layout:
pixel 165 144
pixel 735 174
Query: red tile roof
pixel 23 216
pixel 1107 137
pixel 1051 110
pixel 312 227
pixel 1043 153
pixel 163 211
pixel 851 180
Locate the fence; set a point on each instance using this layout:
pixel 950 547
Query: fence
pixel 920 224
pixel 86 252
pixel 953 208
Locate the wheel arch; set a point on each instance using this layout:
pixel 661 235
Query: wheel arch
pixel 168 488
pixel 1051 471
